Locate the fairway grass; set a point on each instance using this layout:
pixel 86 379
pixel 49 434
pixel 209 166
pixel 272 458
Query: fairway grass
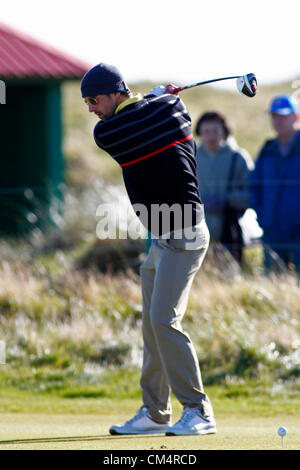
pixel 21 431
pixel 51 421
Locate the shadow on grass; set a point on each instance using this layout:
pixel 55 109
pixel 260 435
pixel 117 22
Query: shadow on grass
pixel 99 437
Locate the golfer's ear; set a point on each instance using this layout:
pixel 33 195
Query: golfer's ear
pixel 120 97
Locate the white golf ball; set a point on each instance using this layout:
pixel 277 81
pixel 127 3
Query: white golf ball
pixel 282 431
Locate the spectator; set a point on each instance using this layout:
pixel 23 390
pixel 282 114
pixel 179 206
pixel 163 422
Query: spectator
pixel 222 171
pixel 275 185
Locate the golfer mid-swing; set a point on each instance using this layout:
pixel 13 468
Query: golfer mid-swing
pixel 150 137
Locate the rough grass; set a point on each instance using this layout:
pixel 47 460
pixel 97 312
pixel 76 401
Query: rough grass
pixel 64 327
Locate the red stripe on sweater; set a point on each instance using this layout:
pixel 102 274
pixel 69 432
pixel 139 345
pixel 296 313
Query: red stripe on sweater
pixel 189 137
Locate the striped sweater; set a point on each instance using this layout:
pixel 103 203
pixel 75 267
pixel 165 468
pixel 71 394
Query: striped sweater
pixel 151 139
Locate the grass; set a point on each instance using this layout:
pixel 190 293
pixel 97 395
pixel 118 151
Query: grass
pixel 90 432
pixel 249 327
pixel 248 414
pixel 65 327
pixel 74 355
pixel 120 389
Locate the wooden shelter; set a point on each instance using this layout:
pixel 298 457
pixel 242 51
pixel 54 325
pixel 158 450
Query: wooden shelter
pixel 31 130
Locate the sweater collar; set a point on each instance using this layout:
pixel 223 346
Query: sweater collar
pixel 134 99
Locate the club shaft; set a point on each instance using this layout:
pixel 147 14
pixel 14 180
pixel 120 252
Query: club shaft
pixel 205 82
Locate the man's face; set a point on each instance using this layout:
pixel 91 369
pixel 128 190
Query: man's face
pixel 285 126
pixel 212 135
pixel 103 106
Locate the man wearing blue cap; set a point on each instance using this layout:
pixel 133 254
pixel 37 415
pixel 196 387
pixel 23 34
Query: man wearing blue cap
pixel 151 139
pixel 275 185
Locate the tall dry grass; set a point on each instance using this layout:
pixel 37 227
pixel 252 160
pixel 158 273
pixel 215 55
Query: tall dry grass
pixel 240 324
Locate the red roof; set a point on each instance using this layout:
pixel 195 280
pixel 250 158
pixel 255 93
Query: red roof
pixel 22 56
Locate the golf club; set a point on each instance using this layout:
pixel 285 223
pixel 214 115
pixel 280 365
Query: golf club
pixel 246 84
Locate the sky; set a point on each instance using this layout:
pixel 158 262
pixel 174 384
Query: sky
pixel 176 41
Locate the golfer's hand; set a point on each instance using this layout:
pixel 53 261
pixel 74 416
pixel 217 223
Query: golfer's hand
pixel 158 90
pixel 161 90
pixel 171 89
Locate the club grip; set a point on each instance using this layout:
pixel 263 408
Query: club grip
pixel 176 90
pixel 173 90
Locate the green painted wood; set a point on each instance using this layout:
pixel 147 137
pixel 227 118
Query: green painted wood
pixel 31 157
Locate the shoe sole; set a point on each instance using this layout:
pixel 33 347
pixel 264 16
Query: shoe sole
pixel 199 433
pixel 114 432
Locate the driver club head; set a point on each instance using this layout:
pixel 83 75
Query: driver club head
pixel 247 85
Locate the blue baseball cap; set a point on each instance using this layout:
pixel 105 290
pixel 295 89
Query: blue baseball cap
pixel 284 105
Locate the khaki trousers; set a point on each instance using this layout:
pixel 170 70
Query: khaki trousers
pixel 170 361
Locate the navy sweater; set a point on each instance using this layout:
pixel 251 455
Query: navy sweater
pixel 152 141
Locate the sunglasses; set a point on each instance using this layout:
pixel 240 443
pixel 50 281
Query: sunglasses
pixel 93 101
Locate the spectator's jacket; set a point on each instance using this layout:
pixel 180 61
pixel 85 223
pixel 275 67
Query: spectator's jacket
pixel 275 190
pixel 223 178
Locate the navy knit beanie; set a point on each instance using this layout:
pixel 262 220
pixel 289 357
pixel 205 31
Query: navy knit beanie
pixel 102 79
